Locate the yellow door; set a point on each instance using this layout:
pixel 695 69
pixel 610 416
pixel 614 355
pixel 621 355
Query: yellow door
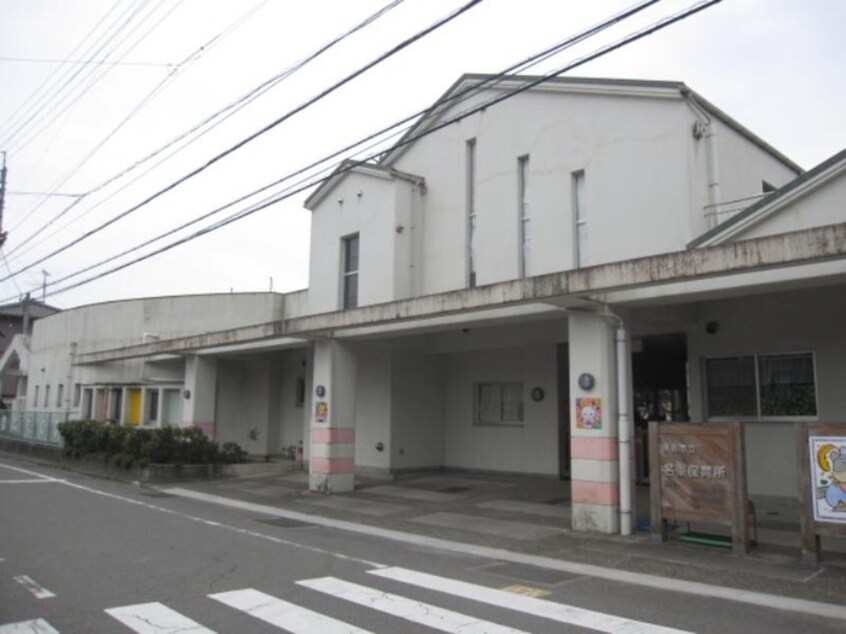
pixel 134 414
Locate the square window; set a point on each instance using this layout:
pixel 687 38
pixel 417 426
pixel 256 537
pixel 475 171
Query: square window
pixel 499 403
pixel 731 386
pixel 787 385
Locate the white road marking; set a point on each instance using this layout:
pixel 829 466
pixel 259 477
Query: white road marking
pixel 39 591
pixel 41 481
pixel 668 584
pixel 528 605
pixel 288 616
pixel 695 588
pixel 150 618
pixel 408 609
pixel 38 626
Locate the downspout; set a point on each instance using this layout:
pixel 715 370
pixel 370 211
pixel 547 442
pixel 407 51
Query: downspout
pixel 704 127
pixel 624 430
pixel 624 422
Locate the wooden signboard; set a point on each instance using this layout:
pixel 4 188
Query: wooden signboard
pixel 822 484
pixel 697 474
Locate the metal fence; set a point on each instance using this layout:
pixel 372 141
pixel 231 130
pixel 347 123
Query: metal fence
pixel 35 427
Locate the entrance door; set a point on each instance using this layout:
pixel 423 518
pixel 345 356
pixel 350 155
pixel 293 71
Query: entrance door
pixel 563 375
pixel 133 416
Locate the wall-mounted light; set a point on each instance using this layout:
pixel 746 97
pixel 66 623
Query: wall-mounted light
pixel 186 394
pixel 712 327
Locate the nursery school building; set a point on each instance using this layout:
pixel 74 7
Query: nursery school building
pixel 518 292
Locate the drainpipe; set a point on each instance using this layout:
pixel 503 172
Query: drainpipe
pixel 704 127
pixel 624 421
pixel 624 430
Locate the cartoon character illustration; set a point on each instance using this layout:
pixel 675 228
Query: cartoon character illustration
pixel 832 460
pixel 589 413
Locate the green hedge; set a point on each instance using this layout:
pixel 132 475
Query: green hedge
pixel 128 445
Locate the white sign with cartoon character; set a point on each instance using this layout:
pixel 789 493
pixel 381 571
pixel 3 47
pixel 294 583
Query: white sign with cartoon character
pixel 828 478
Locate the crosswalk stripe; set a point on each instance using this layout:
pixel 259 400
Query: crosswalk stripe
pixel 528 605
pixel 38 591
pixel 38 626
pixel 147 618
pixel 288 616
pixel 408 609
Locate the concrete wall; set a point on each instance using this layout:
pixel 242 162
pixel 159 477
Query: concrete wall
pixel 530 448
pixel 795 321
pixel 248 403
pixel 291 418
pixel 379 209
pixel 373 407
pixel 822 206
pixel 417 410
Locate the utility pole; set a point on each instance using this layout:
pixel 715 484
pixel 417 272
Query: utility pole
pixel 44 286
pixel 2 198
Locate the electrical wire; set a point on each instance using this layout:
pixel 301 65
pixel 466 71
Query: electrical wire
pixel 25 105
pixel 240 144
pixel 527 84
pixel 155 92
pixel 36 109
pixel 202 128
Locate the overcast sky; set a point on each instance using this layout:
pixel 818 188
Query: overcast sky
pixel 774 65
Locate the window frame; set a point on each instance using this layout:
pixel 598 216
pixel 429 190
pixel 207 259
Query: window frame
pixel 578 182
pixel 348 274
pixel 502 422
pixel 756 357
pixel 472 220
pixel 524 214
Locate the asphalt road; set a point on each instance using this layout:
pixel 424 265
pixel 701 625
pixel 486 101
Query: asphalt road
pixel 79 554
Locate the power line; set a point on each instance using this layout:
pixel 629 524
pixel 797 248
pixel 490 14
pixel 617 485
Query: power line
pixel 43 102
pixel 391 130
pixel 528 84
pixel 83 62
pixel 25 104
pixel 155 92
pixel 309 102
pixel 206 125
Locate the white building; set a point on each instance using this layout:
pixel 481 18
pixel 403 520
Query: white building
pixel 485 296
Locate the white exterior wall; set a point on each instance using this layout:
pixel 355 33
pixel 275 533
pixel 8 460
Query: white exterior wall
pixel 417 410
pixel 531 448
pixel 798 321
pixel 646 191
pixel 246 393
pixel 115 324
pixel 381 215
pixel 373 407
pixel 633 153
pixel 743 166
pixel 822 206
pixel 292 419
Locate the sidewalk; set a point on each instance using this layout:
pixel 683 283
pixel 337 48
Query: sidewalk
pixel 532 516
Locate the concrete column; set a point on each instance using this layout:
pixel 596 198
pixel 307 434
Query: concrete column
pixel 332 453
pixel 199 393
pixel 594 452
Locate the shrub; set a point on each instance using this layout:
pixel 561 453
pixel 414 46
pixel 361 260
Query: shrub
pixel 126 445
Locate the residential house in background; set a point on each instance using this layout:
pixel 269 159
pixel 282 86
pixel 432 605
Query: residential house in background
pixel 509 289
pixel 14 319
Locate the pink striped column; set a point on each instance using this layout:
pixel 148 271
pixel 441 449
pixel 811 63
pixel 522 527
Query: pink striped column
pixel 332 450
pixel 594 465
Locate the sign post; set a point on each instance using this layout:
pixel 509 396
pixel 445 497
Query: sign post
pixel 697 474
pixel 822 484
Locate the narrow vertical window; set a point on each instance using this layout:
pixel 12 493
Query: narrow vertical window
pixel 525 212
pixel 35 396
pixel 580 216
pixel 350 298
pixel 77 393
pixel 60 393
pixel 46 396
pixel 471 213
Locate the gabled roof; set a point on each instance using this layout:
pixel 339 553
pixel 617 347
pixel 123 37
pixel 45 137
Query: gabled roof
pixel 36 309
pixel 368 169
pixel 471 82
pixel 799 186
